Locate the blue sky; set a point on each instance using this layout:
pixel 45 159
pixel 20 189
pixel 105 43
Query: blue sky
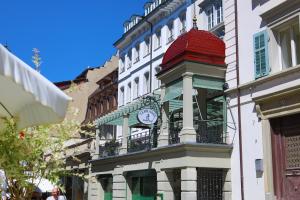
pixel 70 34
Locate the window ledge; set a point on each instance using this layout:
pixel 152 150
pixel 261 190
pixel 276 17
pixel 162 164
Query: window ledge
pixel 159 47
pixel 146 55
pixel 264 79
pixel 217 27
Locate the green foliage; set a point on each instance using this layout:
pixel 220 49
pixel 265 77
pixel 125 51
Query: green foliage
pixel 32 154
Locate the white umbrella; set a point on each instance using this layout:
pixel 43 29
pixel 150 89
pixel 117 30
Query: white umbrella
pixel 44 185
pixel 28 96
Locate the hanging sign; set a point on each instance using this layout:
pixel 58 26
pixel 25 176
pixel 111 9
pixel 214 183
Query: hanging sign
pixel 147 116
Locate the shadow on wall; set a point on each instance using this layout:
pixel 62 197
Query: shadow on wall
pixel 256 3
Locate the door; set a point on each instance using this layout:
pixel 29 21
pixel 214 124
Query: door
pixel 286 157
pixel 107 187
pixel 143 188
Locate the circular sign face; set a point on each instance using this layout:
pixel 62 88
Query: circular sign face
pixel 147 116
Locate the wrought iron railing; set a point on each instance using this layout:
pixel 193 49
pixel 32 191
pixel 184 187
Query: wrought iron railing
pixel 141 141
pixel 211 131
pixel 174 134
pixel 110 148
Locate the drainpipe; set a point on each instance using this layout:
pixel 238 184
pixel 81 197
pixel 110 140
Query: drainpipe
pixel 239 100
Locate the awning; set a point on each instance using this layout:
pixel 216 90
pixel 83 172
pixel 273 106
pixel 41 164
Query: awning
pixel 208 82
pixel 116 117
pixel 28 96
pixel 175 89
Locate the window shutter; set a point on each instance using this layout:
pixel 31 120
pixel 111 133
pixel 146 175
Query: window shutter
pixel 261 58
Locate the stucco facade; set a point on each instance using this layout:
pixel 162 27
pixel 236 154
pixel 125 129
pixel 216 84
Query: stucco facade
pixel 258 157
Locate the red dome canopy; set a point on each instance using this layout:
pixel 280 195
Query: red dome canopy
pixel 197 46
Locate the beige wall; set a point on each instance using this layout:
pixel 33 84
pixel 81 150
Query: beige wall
pixel 81 92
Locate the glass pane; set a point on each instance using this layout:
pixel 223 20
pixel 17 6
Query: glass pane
pixel 297 41
pixel 257 62
pixel 261 41
pixel 263 68
pixel 285 45
pixel 256 42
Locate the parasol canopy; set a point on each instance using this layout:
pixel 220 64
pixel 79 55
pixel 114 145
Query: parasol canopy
pixel 28 96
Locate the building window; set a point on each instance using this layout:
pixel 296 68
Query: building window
pixel 182 23
pixel 122 64
pixel 170 34
pixel 214 13
pixel 137 53
pixel 121 96
pixel 219 12
pixel 157 39
pixel 146 83
pixel 129 56
pixel 210 17
pixel 136 88
pixel 129 92
pixel 157 81
pixel 288 42
pixel 147 46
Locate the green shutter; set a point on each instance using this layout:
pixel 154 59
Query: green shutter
pixel 261 60
pixel 207 82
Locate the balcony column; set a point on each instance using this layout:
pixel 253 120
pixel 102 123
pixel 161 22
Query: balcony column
pixel 189 183
pixel 97 143
pixel 188 133
pixel 163 138
pixel 125 131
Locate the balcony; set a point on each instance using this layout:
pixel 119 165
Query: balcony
pixel 208 132
pixel 110 148
pixel 141 141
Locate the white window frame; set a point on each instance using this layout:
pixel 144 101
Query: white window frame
pixel 122 64
pixel 170 35
pixel 137 53
pixel 146 83
pixel 128 94
pixel 129 57
pixel 147 46
pixel 279 28
pixel 122 96
pixel 157 81
pixel 214 14
pixel 210 17
pixel 158 39
pixel 183 23
pixel 136 88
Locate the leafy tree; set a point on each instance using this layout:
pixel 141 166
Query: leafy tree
pixel 32 154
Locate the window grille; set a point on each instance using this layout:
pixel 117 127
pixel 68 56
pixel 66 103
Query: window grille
pixel 210 184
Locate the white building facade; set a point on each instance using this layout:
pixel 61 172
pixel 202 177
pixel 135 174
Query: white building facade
pixel 256 152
